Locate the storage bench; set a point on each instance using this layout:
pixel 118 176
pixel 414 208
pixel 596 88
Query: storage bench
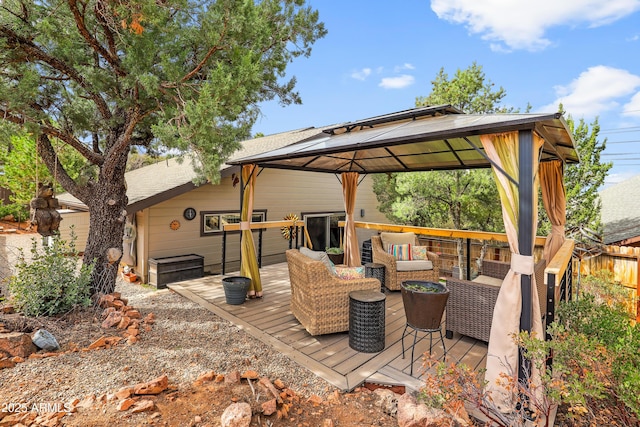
pixel 175 269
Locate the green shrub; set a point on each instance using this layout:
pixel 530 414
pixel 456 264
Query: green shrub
pixel 611 326
pixel 602 285
pixel 596 361
pixel 19 212
pixel 50 282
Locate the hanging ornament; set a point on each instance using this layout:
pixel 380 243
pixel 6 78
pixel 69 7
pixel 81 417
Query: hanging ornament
pixel 289 233
pixel 44 211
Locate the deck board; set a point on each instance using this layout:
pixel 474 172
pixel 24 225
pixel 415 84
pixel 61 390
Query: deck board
pixel 270 320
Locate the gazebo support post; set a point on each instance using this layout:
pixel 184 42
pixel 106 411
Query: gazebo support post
pixel 525 234
pixel 242 184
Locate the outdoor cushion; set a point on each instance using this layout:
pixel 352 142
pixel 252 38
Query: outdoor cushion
pixel 349 273
pixel 419 252
pixel 397 239
pixel 488 280
pixel 415 265
pixel 318 256
pixel 401 252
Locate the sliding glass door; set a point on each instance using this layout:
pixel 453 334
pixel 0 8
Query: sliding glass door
pixel 323 229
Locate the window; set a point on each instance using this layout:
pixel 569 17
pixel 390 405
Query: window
pixel 213 222
pixel 322 229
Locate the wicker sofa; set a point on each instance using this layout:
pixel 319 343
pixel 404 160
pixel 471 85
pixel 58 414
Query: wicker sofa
pixel 320 300
pixel 393 277
pixel 470 305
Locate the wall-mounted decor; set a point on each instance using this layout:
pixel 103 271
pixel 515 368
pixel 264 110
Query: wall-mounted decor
pixel 174 225
pixel 189 214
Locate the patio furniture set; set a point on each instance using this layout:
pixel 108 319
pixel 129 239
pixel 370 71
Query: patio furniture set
pixel 326 303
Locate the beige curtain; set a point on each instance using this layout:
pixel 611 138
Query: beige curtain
pixel 349 190
pixel 555 203
pixel 502 355
pixel 249 265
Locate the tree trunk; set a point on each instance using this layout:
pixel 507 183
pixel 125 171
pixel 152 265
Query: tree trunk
pixel 107 213
pixel 462 264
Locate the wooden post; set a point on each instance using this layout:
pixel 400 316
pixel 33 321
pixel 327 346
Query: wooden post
pixel 638 290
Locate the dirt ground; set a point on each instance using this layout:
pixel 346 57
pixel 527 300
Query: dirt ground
pixel 203 405
pixel 200 403
pixel 15 227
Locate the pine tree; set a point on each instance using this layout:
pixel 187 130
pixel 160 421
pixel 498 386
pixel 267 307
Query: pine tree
pixel 102 76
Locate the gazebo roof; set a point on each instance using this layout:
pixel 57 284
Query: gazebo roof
pixel 419 139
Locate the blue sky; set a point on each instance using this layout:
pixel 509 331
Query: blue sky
pixel 378 57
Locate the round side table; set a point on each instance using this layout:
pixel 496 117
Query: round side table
pixel 376 271
pixel 366 321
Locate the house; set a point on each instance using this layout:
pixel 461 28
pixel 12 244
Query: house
pixel 621 213
pixel 172 216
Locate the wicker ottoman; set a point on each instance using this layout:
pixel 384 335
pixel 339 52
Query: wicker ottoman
pixel 366 321
pixel 376 271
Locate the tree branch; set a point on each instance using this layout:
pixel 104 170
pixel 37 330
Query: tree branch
pixel 112 60
pixel 49 157
pixel 100 17
pixel 211 51
pixel 91 156
pixel 37 53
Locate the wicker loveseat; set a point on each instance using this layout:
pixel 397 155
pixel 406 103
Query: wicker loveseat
pixel 393 276
pixel 319 299
pixel 470 305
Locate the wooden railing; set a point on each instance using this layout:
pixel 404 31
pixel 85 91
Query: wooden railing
pixel 297 225
pixel 558 277
pixel 438 232
pixel 467 235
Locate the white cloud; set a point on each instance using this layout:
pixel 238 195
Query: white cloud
pixel 405 66
pixel 522 24
pixel 399 82
pixel 362 74
pixel 616 178
pixel 632 108
pixel 595 91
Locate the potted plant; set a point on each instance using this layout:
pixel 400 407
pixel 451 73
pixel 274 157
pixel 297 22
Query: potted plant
pixel 424 303
pixel 235 289
pixel 336 255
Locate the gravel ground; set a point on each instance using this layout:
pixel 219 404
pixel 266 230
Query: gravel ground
pixel 185 341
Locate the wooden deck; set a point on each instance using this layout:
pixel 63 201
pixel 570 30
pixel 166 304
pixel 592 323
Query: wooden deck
pixel 329 356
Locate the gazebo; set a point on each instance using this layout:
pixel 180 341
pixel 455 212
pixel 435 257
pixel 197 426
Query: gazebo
pixel 523 150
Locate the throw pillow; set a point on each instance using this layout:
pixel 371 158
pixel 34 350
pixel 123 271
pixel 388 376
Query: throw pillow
pixel 349 273
pixel 318 256
pixel 401 252
pixel 388 238
pixel 419 252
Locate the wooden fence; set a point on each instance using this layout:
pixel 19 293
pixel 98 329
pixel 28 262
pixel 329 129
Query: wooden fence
pixel 623 262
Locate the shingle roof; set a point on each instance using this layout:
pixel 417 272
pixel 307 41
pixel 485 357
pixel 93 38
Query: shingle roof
pixel 152 184
pixel 621 210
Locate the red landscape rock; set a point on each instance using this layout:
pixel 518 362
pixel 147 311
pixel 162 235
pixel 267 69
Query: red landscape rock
pixel 155 386
pixel 16 344
pixel 125 404
pixel 143 406
pixel 269 407
pixel 112 319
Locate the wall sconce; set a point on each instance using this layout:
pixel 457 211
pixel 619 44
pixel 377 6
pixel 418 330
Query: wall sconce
pixel 361 213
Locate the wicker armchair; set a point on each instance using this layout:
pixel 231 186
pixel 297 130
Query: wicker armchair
pixel 470 305
pixel 320 300
pixel 393 277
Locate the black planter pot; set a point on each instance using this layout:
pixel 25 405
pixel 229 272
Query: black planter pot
pixel 336 259
pixel 424 303
pixel 235 289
